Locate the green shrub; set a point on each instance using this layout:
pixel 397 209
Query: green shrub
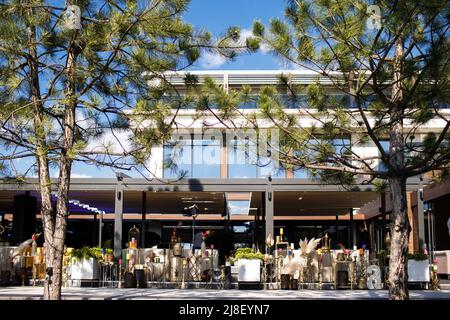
pixel 89 252
pixel 247 253
pixel 417 256
pixel 108 244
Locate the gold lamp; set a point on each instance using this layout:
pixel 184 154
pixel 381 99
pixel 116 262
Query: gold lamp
pixel 326 243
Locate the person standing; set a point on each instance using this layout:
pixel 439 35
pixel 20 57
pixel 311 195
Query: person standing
pixel 198 239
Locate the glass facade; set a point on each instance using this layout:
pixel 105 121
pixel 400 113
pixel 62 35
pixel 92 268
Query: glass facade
pixel 382 165
pixel 190 157
pixel 289 101
pixel 244 161
pixel 341 146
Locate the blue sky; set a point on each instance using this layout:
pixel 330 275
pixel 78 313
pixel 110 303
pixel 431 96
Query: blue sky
pixel 215 16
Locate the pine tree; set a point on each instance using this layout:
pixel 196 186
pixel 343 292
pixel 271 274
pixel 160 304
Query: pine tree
pixel 389 80
pixel 397 74
pixel 95 59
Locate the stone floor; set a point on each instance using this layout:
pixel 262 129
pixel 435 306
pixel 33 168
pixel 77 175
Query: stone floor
pixel 35 293
pixel 444 284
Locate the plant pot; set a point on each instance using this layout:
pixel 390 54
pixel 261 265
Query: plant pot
pixel 86 269
pixel 418 271
pixel 129 280
pixel 139 275
pixel 249 270
pixel 294 284
pixel 285 282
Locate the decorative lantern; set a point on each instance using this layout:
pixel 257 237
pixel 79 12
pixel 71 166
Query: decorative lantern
pixel 133 236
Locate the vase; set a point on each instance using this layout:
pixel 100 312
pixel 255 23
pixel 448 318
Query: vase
pixel 178 250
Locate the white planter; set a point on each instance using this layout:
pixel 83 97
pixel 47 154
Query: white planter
pixel 249 270
pixel 443 262
pixel 86 269
pixel 418 271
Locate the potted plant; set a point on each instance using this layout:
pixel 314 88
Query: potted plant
pixel 418 268
pixel 85 260
pixel 249 265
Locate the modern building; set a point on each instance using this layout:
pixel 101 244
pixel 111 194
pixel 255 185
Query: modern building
pixel 243 201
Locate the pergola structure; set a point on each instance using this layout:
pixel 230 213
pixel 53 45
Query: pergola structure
pixel 284 199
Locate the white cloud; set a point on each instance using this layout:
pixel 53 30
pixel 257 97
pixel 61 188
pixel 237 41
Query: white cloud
pixel 245 33
pixel 211 60
pixel 117 142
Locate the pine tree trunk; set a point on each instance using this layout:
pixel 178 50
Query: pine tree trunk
pixel 42 160
pixel 398 262
pixel 53 289
pixel 53 259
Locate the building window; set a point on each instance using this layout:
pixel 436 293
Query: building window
pixel 245 162
pixel 341 146
pixel 189 157
pixel 382 166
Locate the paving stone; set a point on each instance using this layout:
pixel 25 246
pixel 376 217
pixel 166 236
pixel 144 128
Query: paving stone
pixel 21 293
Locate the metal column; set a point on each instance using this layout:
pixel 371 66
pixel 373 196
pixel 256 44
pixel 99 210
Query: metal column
pixel 118 215
pixel 100 228
pixel 352 230
pixel 420 217
pixel 268 195
pixel 337 229
pixel 94 234
pixel 383 221
pixel 144 211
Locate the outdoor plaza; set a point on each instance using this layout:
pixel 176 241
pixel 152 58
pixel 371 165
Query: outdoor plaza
pixel 35 293
pixel 215 239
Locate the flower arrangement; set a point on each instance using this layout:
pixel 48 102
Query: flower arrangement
pixel 205 235
pixel 346 251
pixel 269 241
pixel 35 236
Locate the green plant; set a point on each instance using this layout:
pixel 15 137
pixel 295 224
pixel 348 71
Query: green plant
pixel 88 252
pixel 247 253
pixel 419 256
pixel 108 244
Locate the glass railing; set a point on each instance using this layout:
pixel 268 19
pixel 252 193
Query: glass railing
pixel 289 101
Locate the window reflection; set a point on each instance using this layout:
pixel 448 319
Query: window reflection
pixel 341 146
pixel 245 161
pixel 382 166
pixel 188 157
